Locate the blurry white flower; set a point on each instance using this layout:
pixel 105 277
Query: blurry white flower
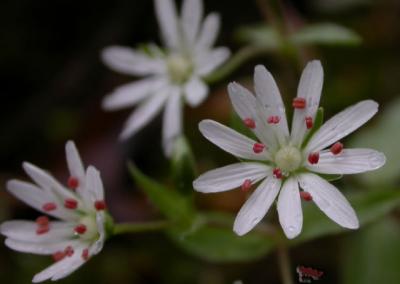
pixel 173 76
pixel 280 160
pixel 78 235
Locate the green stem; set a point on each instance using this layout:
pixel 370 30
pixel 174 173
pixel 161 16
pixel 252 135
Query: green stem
pixel 239 58
pixel 284 264
pixel 125 228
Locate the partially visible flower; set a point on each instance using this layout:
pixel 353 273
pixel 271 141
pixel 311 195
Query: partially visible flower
pixel 173 76
pixel 285 162
pixel 80 232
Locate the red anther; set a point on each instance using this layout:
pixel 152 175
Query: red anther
pixel 42 221
pixel 80 229
pixel 69 251
pixel 336 148
pixel 277 173
pixel 73 182
pixel 41 230
pixel 305 196
pixel 309 122
pixel 59 255
pixel 273 119
pixel 258 148
pixel 85 254
pixel 100 205
pixel 250 123
pixel 49 206
pixel 246 185
pixel 299 103
pixel 313 158
pixel 70 203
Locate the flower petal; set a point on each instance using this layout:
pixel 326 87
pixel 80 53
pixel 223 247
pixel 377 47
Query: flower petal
pixel 192 13
pixel 97 246
pixel 39 248
pixel 130 94
pixel 94 185
pixel 129 61
pixel 168 22
pixel 172 121
pixel 74 162
pixel 144 113
pixel 196 91
pixel 247 106
pixel 230 141
pixel 206 62
pixel 289 208
pixel 256 206
pixel 208 33
pixel 310 88
pixel 330 200
pixel 349 161
pixel 230 177
pixel 342 125
pixel 268 93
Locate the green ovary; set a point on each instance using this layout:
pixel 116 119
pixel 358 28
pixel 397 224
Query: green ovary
pixel 288 158
pixel 179 68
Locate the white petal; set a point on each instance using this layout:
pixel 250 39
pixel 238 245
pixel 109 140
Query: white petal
pixel 94 185
pixel 144 113
pixel 209 61
pixel 98 244
pixel 172 121
pixel 208 32
pixel 74 162
pixel 342 125
pixel 255 208
pixel 310 88
pixel 129 61
pixel 38 248
pixel 268 93
pixel 329 200
pixel 230 141
pixel 130 94
pixel 26 231
pixel 247 106
pixel 196 92
pixel 349 161
pixel 168 22
pixel 61 268
pixel 230 177
pixel 36 198
pixel 192 13
pixel 289 208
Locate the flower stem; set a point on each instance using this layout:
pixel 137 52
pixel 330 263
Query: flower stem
pixel 284 264
pixel 125 228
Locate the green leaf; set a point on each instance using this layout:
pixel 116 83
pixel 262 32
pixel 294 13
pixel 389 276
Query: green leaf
pixel 373 254
pixel 214 240
pixel 369 206
pixel 183 166
pixel 325 34
pixel 170 203
pixel 259 35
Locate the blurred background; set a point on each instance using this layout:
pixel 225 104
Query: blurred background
pixel 52 84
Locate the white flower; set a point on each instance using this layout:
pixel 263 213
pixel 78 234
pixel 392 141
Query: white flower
pixel 280 161
pixel 78 235
pixel 173 76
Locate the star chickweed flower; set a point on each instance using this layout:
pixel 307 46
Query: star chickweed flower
pixel 173 76
pixel 283 162
pixel 81 230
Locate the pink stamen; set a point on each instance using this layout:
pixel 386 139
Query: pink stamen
pixel 69 251
pixel 273 119
pixel 309 122
pixel 57 256
pixel 250 123
pixel 277 173
pixel 299 103
pixel 100 205
pixel 70 203
pixel 246 185
pixel 85 254
pixel 258 148
pixel 306 196
pixel 336 148
pixel 41 230
pixel 80 229
pixel 42 221
pixel 313 158
pixel 73 182
pixel 49 206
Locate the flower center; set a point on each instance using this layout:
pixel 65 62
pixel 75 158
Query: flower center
pixel 288 158
pixel 87 228
pixel 179 68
